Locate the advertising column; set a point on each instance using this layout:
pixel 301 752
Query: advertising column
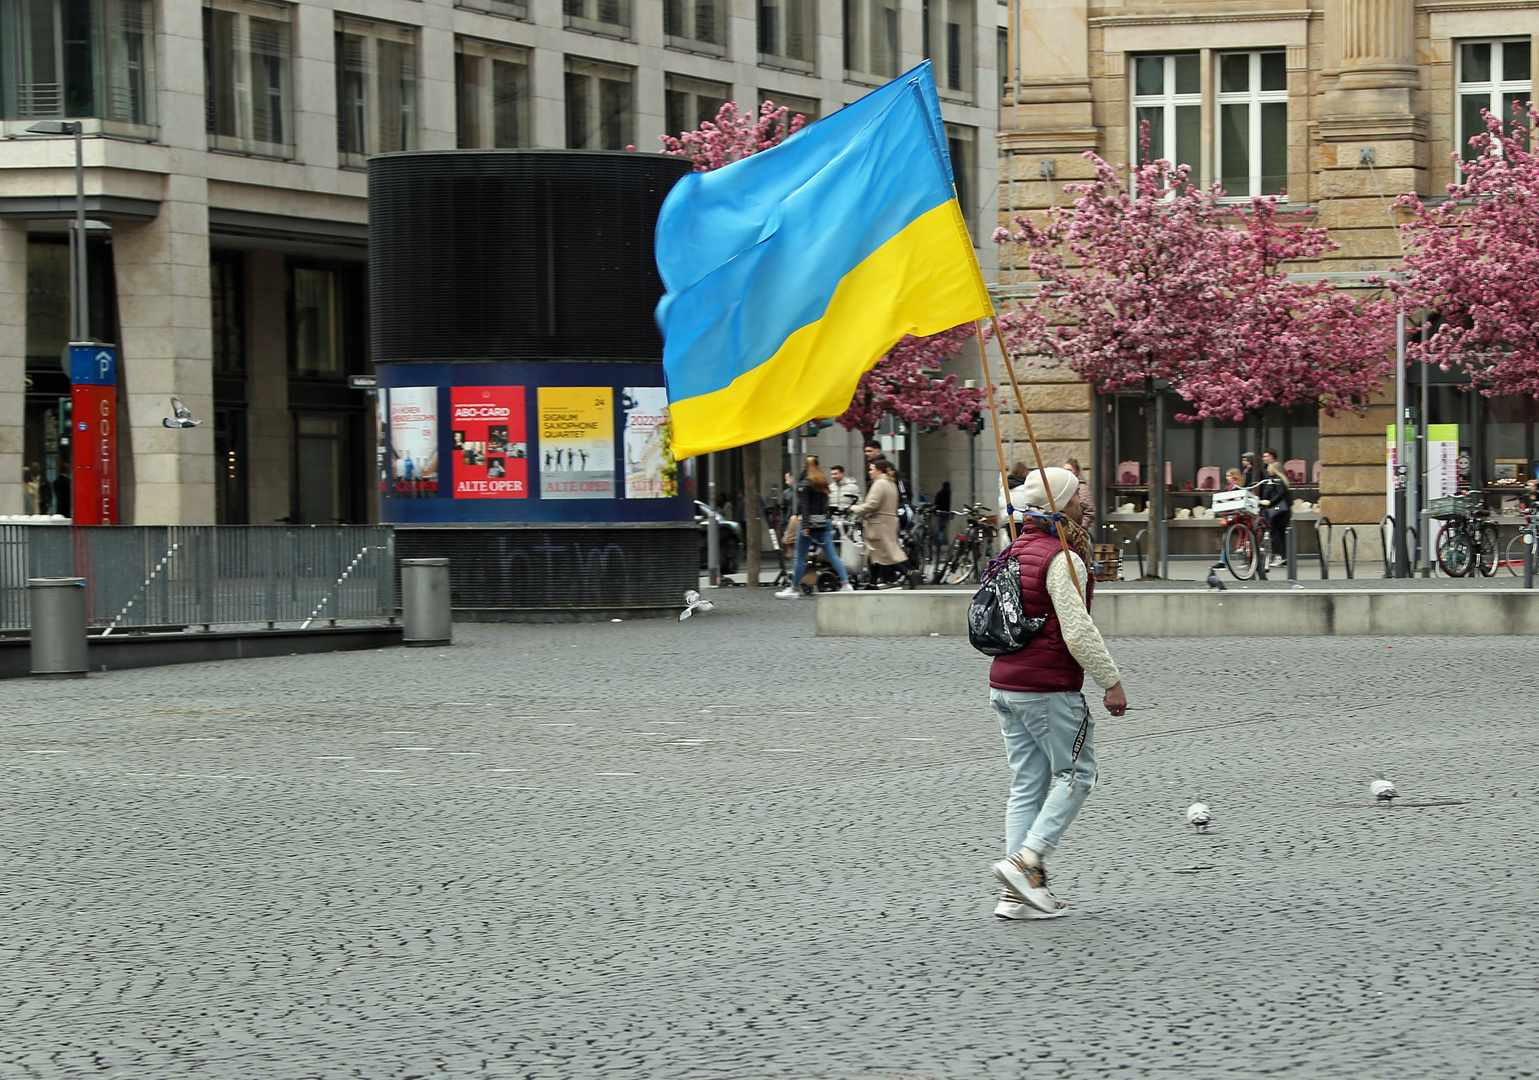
pixel 93 376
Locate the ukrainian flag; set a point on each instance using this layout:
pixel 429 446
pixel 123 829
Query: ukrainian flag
pixel 791 272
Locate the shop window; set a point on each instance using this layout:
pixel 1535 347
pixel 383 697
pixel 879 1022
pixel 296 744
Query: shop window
pixel 1252 123
pixel 611 18
pixel 871 39
pixel 1495 76
pixel 691 102
pixel 248 77
pixel 795 104
pixel 513 9
pixel 1167 96
pixel 78 58
pixel 376 89
pixel 493 94
pixel 696 25
pixel 788 34
pixel 598 106
pixel 948 42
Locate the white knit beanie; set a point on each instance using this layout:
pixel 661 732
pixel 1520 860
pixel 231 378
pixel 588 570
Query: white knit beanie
pixel 1033 492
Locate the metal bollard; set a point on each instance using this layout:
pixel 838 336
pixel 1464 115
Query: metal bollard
pixel 59 646
pixel 1293 551
pixel 426 618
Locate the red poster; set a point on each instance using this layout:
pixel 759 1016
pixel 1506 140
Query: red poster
pixel 95 413
pixel 491 449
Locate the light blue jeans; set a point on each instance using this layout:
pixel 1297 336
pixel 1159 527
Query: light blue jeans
pixel 823 538
pixel 1049 781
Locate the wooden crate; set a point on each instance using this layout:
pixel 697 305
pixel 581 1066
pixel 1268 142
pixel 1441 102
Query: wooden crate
pixel 1108 560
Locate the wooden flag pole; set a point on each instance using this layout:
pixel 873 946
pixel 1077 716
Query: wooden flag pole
pixel 1020 404
pixel 1004 470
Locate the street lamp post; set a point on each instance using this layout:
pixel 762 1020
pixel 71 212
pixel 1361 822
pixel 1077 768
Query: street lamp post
pixel 79 316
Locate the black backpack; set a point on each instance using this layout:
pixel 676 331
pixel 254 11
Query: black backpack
pixel 996 619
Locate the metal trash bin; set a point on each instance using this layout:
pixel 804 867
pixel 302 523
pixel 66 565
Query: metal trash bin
pixel 426 617
pixel 58 620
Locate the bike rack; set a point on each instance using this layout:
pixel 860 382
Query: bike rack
pixel 1138 550
pixel 1385 542
pixel 1323 546
pixel 1349 561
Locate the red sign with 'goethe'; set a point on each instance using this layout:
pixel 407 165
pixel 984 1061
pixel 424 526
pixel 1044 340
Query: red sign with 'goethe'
pixel 490 444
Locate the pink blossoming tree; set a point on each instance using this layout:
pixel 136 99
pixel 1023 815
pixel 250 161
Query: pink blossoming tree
pixel 902 383
pixel 1149 283
pixel 1472 260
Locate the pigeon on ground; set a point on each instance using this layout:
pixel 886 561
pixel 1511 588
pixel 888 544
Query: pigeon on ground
pixel 1383 790
pixel 181 416
pixel 693 603
pixel 1199 815
pixel 1213 578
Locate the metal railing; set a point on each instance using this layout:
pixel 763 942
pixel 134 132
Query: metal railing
pixel 177 576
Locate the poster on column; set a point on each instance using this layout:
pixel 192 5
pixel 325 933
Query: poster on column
pixel 650 471
pixel 414 442
pixel 491 451
pixel 577 439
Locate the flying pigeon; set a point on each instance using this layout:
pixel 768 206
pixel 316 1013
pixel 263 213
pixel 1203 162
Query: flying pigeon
pixel 1383 790
pixel 181 416
pixel 1213 579
pixel 1199 815
pixel 693 603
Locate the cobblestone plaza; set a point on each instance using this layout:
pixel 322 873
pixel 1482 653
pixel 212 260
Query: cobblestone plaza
pixel 729 849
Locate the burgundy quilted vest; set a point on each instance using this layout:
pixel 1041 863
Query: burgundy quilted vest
pixel 1044 665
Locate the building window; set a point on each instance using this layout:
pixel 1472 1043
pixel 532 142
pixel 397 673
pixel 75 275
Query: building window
pixel 323 474
pixel 248 81
pixel 948 42
pixel 1004 68
pixel 317 323
pixel 696 25
pixel 794 104
pixel 376 89
pixel 226 286
pixel 962 143
pixel 612 18
pixel 1493 75
pixel 598 106
pixel 493 85
pixel 1253 123
pixel 871 38
pixel 1167 96
pixel 788 34
pixel 78 58
pixel 513 9
pixel 691 102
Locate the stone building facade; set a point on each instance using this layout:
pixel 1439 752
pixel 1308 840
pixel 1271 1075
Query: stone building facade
pixel 1342 105
pixel 225 144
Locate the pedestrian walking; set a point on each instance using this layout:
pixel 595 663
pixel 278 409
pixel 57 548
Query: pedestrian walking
pixel 880 512
pixel 843 491
pixel 1036 693
pixel 1086 500
pixel 942 512
pixel 812 507
pixel 1276 504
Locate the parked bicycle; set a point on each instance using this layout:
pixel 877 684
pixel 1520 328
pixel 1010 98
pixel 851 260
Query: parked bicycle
pixel 1467 541
pixel 1247 539
pixel 969 551
pixel 1516 553
pixel 921 540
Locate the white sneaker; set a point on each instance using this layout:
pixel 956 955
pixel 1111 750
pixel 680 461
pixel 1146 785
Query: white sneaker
pixel 1028 882
pixel 793 593
pixel 1011 906
pixel 846 587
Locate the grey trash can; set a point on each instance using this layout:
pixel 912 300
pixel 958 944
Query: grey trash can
pixel 58 608
pixel 426 618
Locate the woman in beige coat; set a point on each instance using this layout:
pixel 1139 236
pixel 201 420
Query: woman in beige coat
pixel 880 513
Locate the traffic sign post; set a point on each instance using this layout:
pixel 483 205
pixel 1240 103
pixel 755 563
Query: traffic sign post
pixel 93 376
